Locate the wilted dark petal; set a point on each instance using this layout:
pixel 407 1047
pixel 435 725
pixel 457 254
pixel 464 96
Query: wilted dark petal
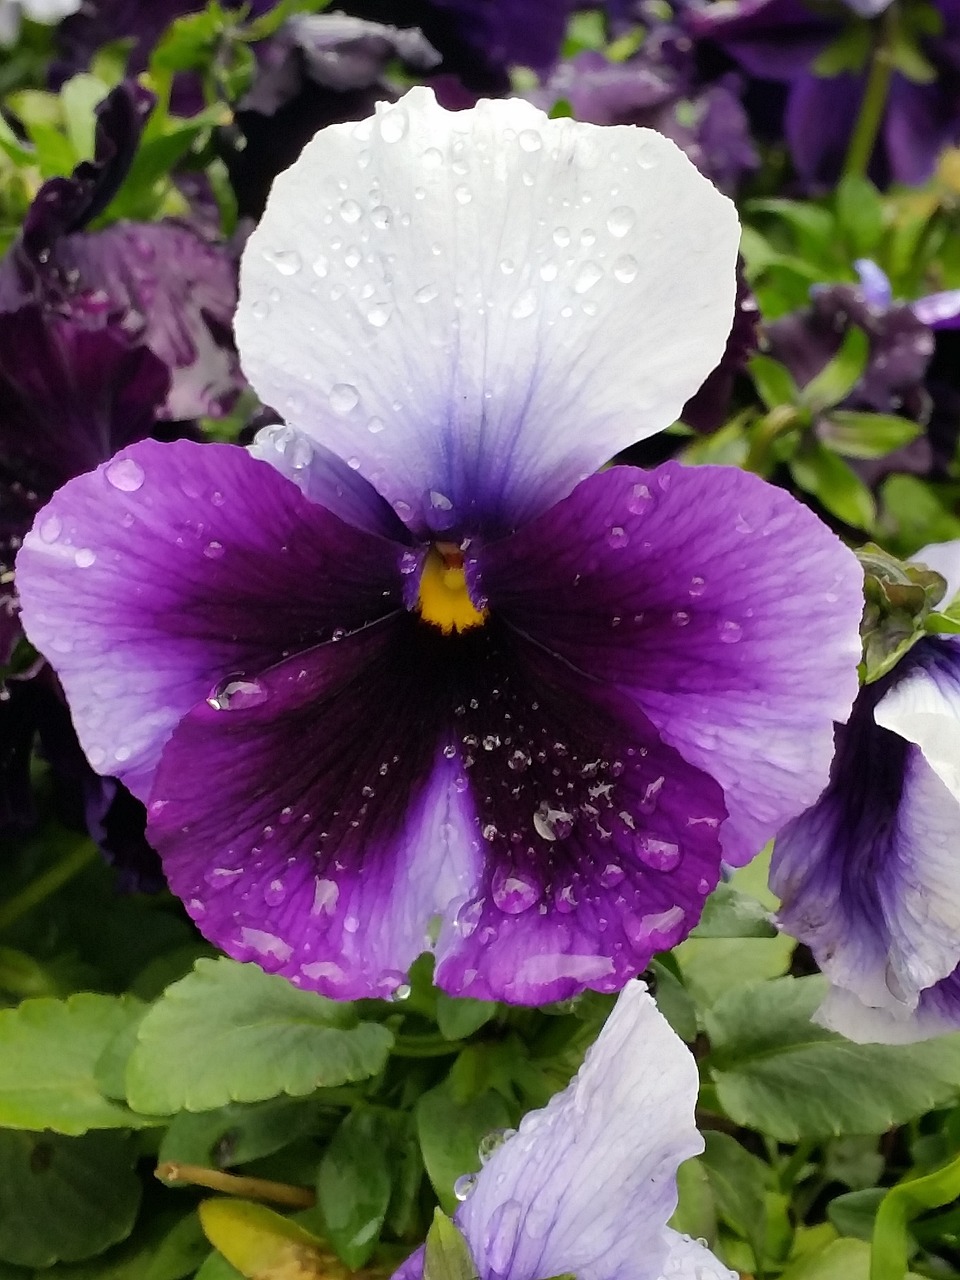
pixel 117 821
pixel 64 205
pixel 70 396
pixel 507 33
pixel 772 39
pixel 334 831
pixel 922 119
pixel 710 407
pixel 171 568
pixel 868 877
pixel 600 841
pixel 821 112
pixel 604 92
pixel 718 604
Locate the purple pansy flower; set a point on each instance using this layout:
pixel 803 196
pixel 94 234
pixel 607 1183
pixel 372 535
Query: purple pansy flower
pixel 587 1184
pixel 410 675
pixel 161 283
pixel 780 40
pixel 869 877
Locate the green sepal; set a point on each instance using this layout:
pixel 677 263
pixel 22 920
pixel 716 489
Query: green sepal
pixel 447 1255
pixel 899 600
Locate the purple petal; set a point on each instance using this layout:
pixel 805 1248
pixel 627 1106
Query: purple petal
pixel 819 122
pixel 939 310
pixel 448 382
pixel 337 832
pixel 169 569
pixel 772 39
pixel 719 604
pixel 588 1183
pixel 868 877
pixel 601 842
pixel 509 33
pixel 874 283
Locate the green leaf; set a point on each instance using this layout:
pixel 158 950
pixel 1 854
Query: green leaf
pixel 860 213
pixel 909 58
pixel 849 52
pixel 854 1213
pixel 674 1001
pixel 902 1203
pixel 450 1133
pixel 355 1183
pixel 728 913
pixel 447 1255
pixel 261 1243
pixel 840 1260
pixel 773 381
pixel 168 1245
pixel 866 435
pixel 840 375
pixel 229 1032
pixel 48 1064
pixel 269 23
pixel 80 96
pixel 460 1018
pixel 818 471
pixel 780 1073
pixel 695 1214
pixel 236 1133
pixel 739 1183
pixel 65 1199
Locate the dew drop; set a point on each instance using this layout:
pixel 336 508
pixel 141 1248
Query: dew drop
pixel 84 558
pixel 729 632
pixel 462 194
pixel 530 140
pixel 343 397
pixel 378 316
pixel 625 269
pixel 549 271
pixel 562 237
pixel 287 261
pixel 432 158
pixel 617 537
pixel 321 265
pixel 680 618
pixel 426 293
pixel 260 309
pixel 621 221
pixel 50 529
pixel 464 1185
pixel 552 824
pixel 525 305
pixel 393 124
pixel 493 1141
pixel 381 217
pixel 350 211
pixel 587 277
pixel 514 891
pixel 375 426
pixel 237 695
pixel 125 474
pixel 213 550
pixel 274 893
pixel 611 875
pixel 659 855
pixel 639 500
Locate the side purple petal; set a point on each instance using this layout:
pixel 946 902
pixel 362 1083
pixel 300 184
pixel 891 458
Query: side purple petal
pixel 171 568
pixel 718 604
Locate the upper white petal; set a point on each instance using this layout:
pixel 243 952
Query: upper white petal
pixel 484 305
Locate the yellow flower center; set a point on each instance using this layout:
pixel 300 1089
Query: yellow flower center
pixel 443 599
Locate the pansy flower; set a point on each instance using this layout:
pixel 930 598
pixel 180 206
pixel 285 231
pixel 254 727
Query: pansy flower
pixel 410 674
pixel 587 1184
pixel 869 877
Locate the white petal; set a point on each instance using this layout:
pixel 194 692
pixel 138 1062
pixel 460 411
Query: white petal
pixel 588 1183
pixel 943 558
pixel 924 708
pixel 477 309
pixel 841 1011
pixel 689 1260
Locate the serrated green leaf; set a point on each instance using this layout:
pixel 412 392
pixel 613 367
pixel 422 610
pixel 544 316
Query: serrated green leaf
pixel 834 484
pixel 450 1133
pixel 447 1254
pixel 229 1032
pixel 65 1199
pixel 780 1073
pixel 840 375
pixel 49 1060
pixel 866 435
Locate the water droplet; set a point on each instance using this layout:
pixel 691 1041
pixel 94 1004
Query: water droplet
pixel 432 158
pixel 680 618
pixel 213 550
pixel 426 293
pixel 617 537
pixel 381 217
pixel 493 1141
pixel 379 315
pixel 464 1185
pixel 321 265
pixel 625 269
pixel 587 277
pixel 350 211
pixel 84 558
pixel 343 397
pixel 260 309
pixel 611 875
pixel 125 474
pixel 639 500
pixel 552 824
pixel 514 891
pixel 729 632
pixel 588 237
pixel 549 271
pixel 621 221
pixel 393 124
pixel 50 529
pixel 462 194
pixel 525 305
pixel 274 893
pixel 562 237
pixel 530 140
pixel 237 694
pixel 375 426
pixel 659 855
pixel 287 261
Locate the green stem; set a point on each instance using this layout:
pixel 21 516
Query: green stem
pixel 874 104
pixel 37 891
pixel 425 1047
pixel 776 423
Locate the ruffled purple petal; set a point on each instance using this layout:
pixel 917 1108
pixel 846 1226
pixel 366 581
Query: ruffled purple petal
pixel 868 877
pixel 772 39
pixel 174 566
pixel 720 605
pixel 588 1183
pixel 600 841
pixel 338 830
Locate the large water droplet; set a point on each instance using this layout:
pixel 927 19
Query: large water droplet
pixel 464 1185
pixel 350 211
pixel 562 237
pixel 381 217
pixel 50 529
pixel 617 537
pixel 393 124
pixel 587 277
pixel 729 632
pixel 287 261
pixel 552 824
pixel 659 855
pixel 625 269
pixel 125 474
pixel 530 140
pixel 514 891
pixel 621 221
pixel 525 305
pixel 462 194
pixel 237 694
pixel 213 550
pixel 343 397
pixel 493 1141
pixel 84 557
pixel 379 315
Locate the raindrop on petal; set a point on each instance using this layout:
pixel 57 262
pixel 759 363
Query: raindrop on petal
pixel 125 474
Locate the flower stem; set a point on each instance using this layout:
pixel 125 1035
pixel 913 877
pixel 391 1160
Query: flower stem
pixel 77 857
pixel 874 104
pixel 234 1185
